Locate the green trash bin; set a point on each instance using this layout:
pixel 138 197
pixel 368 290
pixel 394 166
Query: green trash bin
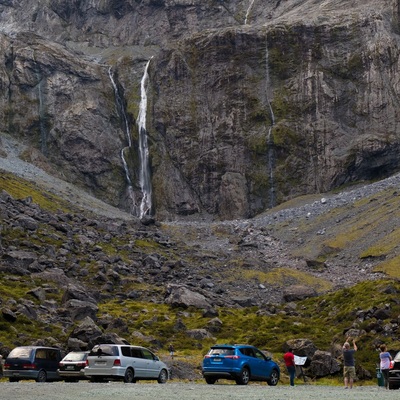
pixel 379 376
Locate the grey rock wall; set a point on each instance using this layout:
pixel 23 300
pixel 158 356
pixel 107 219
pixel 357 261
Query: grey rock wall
pixel 250 103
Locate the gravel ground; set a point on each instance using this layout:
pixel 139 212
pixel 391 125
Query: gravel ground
pixel 186 391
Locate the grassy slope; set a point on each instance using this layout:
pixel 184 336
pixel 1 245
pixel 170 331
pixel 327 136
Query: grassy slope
pixel 322 319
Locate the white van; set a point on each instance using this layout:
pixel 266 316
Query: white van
pixel 127 363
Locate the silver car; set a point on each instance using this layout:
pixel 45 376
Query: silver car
pixel 127 363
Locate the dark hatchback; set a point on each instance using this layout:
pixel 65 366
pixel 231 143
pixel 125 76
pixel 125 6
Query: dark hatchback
pixel 394 373
pixel 241 363
pixel 71 367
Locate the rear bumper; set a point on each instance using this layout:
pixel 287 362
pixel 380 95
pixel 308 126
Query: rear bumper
pixel 114 372
pixel 72 374
pixel 221 373
pixel 23 374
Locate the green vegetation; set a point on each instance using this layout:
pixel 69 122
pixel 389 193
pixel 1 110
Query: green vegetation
pixel 21 189
pixel 322 319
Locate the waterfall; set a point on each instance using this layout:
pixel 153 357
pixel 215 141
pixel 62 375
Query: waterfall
pixel 270 137
pixel 41 108
pixel 144 177
pixel 122 114
pixel 248 11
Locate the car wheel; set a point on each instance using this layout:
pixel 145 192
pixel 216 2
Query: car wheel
pixel 244 377
pixel 163 377
pixel 129 376
pixel 13 379
pixel 392 386
pixel 210 381
pixel 42 376
pixel 274 378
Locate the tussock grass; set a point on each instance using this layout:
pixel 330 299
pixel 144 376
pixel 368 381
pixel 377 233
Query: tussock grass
pixel 21 189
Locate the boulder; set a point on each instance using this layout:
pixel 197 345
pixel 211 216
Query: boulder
pixel 87 331
pixel 322 364
pixel 79 310
pixel 199 334
pixel 301 347
pixel 73 292
pixel 298 292
pixel 181 296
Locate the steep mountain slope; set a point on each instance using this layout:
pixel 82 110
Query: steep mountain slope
pixel 249 104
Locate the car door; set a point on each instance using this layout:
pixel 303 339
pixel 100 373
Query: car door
pixel 262 365
pixel 139 364
pixel 52 359
pixel 152 364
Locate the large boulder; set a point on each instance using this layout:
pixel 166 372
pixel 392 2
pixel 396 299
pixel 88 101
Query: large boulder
pixel 322 364
pixel 298 292
pixel 181 296
pixel 78 310
pixel 301 347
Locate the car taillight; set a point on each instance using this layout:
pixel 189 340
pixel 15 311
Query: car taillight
pixel 60 364
pixel 391 364
pixel 82 364
pixel 117 363
pixel 7 366
pixel 207 356
pixel 233 357
pixel 29 366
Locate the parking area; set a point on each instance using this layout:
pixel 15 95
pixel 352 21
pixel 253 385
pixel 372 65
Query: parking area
pixel 188 391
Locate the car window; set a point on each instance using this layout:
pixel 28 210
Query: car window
pixel 51 355
pixel 104 350
pixel 41 354
pixel 147 354
pixel 126 351
pixel 259 354
pixel 20 352
pixel 75 357
pixel 247 351
pixel 136 353
pixel 224 351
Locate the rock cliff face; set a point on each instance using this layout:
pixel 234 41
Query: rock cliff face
pixel 250 103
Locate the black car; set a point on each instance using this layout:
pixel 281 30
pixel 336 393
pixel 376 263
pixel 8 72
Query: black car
pixel 394 373
pixel 71 367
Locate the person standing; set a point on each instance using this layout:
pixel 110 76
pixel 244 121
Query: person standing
pixel 290 366
pixel 349 369
pixel 385 359
pixel 171 350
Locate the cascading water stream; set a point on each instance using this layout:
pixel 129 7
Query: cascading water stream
pixel 41 110
pixel 122 114
pixel 270 137
pixel 248 11
pixel 144 177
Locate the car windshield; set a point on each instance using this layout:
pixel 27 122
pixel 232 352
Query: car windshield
pixel 20 352
pixel 222 351
pixel 104 350
pixel 75 357
pixel 397 357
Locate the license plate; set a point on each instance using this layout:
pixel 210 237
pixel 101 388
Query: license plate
pixel 70 367
pixel 100 363
pixel 217 359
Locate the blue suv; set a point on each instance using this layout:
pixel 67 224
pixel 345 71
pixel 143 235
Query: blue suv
pixel 242 363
